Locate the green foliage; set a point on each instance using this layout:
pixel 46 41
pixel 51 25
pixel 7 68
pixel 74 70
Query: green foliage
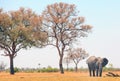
pixel 20 29
pixel 71 69
pixel 48 69
pixel 29 70
pixel 111 68
pixel 16 69
pixel 32 70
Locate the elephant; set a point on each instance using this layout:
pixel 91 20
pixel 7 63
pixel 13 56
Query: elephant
pixel 95 64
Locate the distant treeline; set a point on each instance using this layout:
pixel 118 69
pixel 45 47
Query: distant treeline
pixel 51 69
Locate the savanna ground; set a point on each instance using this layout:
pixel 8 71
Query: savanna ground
pixel 56 76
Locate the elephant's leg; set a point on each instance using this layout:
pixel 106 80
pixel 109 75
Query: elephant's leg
pixel 100 72
pixel 93 72
pixel 96 72
pixel 89 70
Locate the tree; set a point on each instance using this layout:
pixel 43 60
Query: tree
pixel 67 61
pixel 64 27
pixel 76 55
pixel 2 66
pixel 20 29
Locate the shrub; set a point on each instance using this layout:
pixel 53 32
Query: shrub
pixel 16 69
pixel 48 69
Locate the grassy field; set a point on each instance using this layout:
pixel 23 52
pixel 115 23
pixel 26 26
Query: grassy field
pixel 68 76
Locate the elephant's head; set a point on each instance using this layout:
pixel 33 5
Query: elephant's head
pixel 101 62
pixel 105 62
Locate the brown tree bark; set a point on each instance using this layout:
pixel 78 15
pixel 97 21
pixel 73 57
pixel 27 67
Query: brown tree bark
pixel 11 65
pixel 61 65
pixel 76 68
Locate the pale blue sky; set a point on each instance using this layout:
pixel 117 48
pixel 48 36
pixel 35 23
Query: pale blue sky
pixel 104 41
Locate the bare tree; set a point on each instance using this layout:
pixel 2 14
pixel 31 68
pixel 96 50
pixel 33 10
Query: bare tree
pixel 2 66
pixel 63 27
pixel 67 61
pixel 18 30
pixel 76 55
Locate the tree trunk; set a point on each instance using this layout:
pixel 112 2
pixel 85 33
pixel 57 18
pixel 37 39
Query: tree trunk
pixel 11 66
pixel 76 68
pixel 67 67
pixel 61 65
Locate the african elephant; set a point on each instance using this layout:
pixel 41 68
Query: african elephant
pixel 96 64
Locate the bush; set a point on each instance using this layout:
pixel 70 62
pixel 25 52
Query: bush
pixel 111 69
pixel 16 69
pixel 28 70
pixel 48 69
pixel 32 70
pixel 71 69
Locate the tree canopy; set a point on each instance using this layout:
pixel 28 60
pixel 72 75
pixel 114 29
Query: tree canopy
pixel 20 29
pixel 76 55
pixel 64 26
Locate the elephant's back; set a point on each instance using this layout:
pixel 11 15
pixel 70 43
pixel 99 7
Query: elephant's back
pixel 91 59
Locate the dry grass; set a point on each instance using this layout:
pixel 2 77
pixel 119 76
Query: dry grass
pixel 68 76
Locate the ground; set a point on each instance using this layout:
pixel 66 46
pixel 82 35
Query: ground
pixel 68 76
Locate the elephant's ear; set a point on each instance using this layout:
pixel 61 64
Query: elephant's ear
pixel 105 62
